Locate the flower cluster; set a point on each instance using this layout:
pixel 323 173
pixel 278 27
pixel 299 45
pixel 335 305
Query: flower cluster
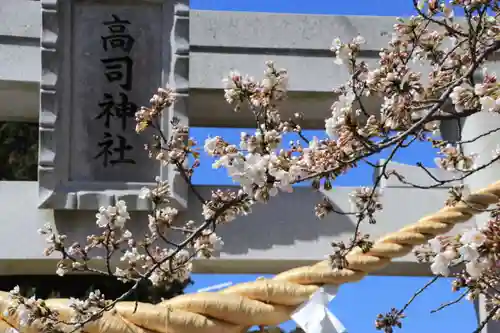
pixel 113 217
pixel 32 312
pixel 477 249
pixel 163 99
pixel 489 93
pixel 208 243
pixel 466 248
pixel 451 158
pixel 365 202
pixel 225 206
pixel 389 321
pixel 238 88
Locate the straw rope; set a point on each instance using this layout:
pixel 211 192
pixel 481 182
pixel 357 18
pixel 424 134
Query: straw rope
pixel 266 301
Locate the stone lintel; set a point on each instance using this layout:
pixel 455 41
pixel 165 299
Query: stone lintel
pixel 277 236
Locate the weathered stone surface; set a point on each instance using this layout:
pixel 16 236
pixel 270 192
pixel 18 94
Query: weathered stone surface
pixel 101 61
pixel 277 236
pixel 104 144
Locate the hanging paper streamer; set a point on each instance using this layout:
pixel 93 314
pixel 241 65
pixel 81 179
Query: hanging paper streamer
pixel 314 317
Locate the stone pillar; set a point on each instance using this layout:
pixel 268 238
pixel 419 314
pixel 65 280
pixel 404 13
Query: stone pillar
pixel 481 314
pixel 472 127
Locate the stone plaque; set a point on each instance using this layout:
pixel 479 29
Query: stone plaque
pixel 101 61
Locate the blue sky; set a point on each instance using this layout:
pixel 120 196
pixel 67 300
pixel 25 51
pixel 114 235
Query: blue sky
pixel 357 304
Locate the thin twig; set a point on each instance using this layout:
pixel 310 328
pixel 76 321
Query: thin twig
pixel 442 306
pixel 420 291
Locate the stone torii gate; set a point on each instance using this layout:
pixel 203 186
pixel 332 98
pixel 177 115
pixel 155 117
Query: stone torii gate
pixel 190 50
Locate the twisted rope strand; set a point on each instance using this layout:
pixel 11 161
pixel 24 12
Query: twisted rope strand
pixel 264 301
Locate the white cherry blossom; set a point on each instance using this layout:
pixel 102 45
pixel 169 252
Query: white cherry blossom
pixel 473 237
pixel 440 265
pixel 476 267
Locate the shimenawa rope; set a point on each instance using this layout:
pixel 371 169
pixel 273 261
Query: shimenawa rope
pixel 264 301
